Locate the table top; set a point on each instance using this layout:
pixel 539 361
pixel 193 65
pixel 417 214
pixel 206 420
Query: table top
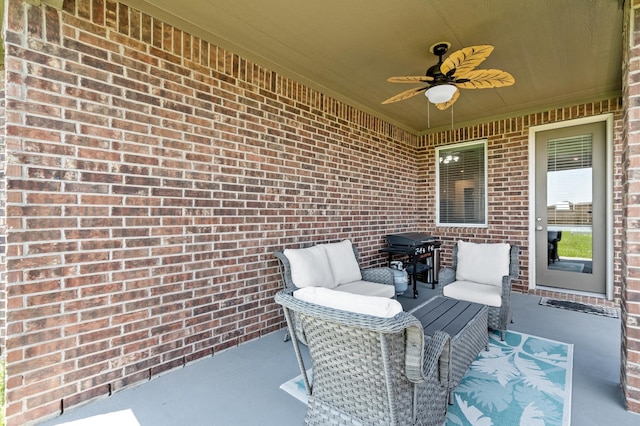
pixel 448 315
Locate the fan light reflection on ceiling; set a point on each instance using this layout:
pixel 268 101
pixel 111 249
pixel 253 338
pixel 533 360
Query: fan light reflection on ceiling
pixel 441 93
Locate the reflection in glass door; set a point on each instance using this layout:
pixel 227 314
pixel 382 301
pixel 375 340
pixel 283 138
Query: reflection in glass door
pixel 570 204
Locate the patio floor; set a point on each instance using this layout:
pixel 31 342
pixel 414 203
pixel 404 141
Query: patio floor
pixel 240 386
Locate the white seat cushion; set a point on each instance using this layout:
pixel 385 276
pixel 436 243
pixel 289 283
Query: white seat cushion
pixel 310 267
pixel 486 294
pixel 368 288
pixel 482 263
pixel 342 260
pixel 369 305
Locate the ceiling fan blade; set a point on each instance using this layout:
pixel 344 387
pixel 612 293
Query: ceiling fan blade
pixel 465 60
pixel 445 105
pixel 410 79
pixel 485 79
pixel 405 95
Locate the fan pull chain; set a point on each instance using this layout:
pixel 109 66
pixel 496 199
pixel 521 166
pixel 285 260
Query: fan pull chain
pixel 428 116
pixel 452 117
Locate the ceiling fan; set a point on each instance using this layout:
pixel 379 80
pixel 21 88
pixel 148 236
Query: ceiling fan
pixel 456 72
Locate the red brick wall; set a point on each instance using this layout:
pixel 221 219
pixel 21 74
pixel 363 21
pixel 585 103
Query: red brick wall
pixel 508 183
pixel 3 231
pixel 149 177
pixel 630 303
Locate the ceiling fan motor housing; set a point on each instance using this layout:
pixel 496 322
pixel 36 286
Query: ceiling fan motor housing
pixel 434 71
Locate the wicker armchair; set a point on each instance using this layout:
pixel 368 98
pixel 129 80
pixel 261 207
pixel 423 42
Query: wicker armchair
pixel 367 369
pixel 499 311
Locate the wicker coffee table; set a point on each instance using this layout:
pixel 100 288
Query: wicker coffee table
pixel 467 325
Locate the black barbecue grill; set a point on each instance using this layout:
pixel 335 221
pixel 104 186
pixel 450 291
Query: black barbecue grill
pixel 422 254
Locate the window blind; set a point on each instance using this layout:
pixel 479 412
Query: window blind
pixel 569 181
pixel 462 184
pixel 569 153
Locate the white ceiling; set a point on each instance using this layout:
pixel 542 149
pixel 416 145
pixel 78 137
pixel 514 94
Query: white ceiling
pixel 560 51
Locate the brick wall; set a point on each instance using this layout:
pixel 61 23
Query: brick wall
pixel 150 175
pixel 3 246
pixel 508 185
pixel 3 197
pixel 630 303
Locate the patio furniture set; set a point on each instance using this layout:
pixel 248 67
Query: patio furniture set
pixel 372 362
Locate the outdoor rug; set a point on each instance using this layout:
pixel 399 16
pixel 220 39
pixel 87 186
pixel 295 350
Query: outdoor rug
pixel 525 380
pixel 295 387
pixel 605 311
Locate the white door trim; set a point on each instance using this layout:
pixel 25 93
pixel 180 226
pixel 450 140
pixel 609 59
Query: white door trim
pixel 608 118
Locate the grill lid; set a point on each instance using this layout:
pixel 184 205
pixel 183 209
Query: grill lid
pixel 411 239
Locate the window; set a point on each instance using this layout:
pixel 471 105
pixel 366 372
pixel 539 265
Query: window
pixel 462 184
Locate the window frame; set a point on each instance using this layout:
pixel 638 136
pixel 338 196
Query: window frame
pixel 479 143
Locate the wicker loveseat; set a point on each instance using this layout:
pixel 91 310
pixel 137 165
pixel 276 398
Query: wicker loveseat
pixel 335 266
pixel 367 369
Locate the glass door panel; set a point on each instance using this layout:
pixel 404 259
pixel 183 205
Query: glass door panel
pixel 570 204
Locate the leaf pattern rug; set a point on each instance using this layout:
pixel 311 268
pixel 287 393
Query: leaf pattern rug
pixel 525 380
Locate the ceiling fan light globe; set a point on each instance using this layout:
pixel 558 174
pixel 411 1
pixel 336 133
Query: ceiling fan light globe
pixel 440 94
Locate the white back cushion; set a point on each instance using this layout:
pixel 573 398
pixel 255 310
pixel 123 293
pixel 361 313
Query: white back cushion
pixel 310 267
pixel 344 266
pixel 369 305
pixel 482 263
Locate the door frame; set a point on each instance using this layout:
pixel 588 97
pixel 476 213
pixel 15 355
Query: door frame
pixel 608 119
